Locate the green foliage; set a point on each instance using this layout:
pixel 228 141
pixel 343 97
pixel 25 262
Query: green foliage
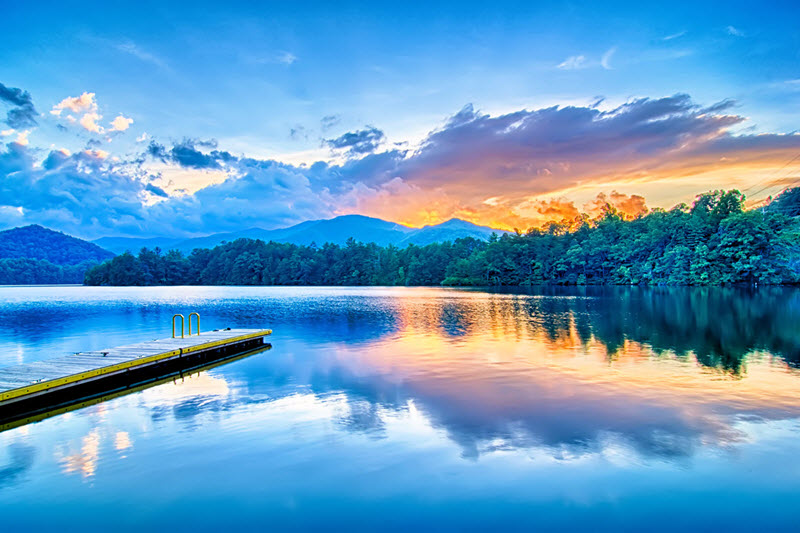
pixel 26 271
pixel 715 242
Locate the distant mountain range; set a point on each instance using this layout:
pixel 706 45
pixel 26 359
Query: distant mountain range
pixel 336 230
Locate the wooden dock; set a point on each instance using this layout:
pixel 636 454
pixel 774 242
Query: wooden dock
pixel 44 385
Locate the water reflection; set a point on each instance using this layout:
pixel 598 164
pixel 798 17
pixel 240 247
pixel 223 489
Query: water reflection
pixel 20 461
pixel 383 380
pixel 82 460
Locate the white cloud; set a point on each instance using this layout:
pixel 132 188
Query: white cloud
pixel 136 51
pixel 606 59
pixel 734 31
pixel 142 138
pixel 22 137
pixel 573 63
pixel 6 133
pixel 86 107
pixel 121 123
pixel 287 58
pixel 674 36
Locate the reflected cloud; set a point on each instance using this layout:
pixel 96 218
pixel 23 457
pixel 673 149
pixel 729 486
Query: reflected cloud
pixel 21 459
pixel 84 460
pixel 122 441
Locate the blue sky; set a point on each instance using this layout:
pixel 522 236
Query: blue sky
pixel 282 86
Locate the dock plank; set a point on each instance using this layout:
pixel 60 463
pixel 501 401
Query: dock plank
pixel 33 374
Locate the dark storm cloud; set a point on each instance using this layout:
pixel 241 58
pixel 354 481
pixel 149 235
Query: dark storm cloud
pixel 358 142
pixel 22 113
pixel 187 155
pixel 158 191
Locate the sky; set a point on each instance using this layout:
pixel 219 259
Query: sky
pixel 159 119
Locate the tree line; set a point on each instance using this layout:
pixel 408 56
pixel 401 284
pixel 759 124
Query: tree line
pixel 27 271
pixel 713 242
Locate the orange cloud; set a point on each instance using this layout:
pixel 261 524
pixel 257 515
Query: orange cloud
pixel 516 170
pixel 76 104
pixel 628 206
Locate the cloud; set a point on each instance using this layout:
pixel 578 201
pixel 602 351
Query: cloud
pixel 628 206
pixel 84 104
pixel 187 155
pixel 569 150
pixel 573 63
pixel 87 108
pixel 298 132
pixel 358 142
pixel 158 191
pixel 605 61
pixel 257 194
pixel 121 123
pixel 135 50
pixel 734 31
pixel 674 36
pixel 89 122
pixel 76 104
pixel 517 169
pixel 329 121
pixel 558 209
pixel 22 137
pixel 581 62
pixel 22 113
pixel 80 193
pixel 142 138
pixel 287 58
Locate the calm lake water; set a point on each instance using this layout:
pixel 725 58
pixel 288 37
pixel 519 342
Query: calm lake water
pixel 387 408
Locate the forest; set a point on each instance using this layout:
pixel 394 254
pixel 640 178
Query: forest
pixel 716 241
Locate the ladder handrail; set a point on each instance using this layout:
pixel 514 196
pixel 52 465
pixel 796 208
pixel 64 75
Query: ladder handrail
pixel 182 324
pixel 190 323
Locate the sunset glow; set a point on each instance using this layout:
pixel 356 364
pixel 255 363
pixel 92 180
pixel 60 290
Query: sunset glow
pixel 335 111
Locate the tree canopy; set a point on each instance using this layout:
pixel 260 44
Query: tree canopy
pixel 714 242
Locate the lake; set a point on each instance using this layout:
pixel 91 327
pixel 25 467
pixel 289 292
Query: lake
pixel 392 408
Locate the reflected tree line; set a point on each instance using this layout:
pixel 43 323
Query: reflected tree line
pixel 714 242
pixel 719 326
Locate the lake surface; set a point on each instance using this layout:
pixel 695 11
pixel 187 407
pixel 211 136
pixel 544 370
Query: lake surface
pixel 390 408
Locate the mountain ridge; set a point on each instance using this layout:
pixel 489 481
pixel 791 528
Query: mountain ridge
pixel 37 255
pixel 40 243
pixel 335 230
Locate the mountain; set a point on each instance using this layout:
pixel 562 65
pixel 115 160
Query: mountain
pixel 36 242
pixel 34 254
pixel 338 230
pixel 335 230
pixel 449 231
